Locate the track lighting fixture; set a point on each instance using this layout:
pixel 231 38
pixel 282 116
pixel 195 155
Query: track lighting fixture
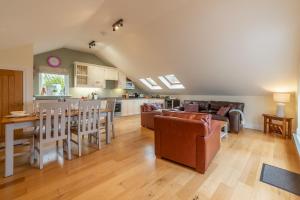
pixel 118 24
pixel 92 44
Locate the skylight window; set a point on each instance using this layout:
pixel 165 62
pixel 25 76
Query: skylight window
pixel 171 81
pixel 150 83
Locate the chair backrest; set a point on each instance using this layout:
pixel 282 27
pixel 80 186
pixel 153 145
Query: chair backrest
pixel 54 121
pixel 74 102
pixel 111 104
pixel 36 104
pixel 103 104
pixel 89 116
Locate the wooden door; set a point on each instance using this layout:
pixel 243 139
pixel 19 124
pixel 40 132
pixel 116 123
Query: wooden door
pixel 11 95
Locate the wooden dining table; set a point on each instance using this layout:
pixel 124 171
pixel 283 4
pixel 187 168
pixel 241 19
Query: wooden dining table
pixel 13 123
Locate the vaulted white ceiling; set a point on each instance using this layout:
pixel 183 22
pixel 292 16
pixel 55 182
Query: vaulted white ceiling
pixel 233 47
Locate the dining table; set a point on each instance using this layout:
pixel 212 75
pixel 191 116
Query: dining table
pixel 12 123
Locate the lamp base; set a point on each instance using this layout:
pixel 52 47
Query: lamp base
pixel 280 110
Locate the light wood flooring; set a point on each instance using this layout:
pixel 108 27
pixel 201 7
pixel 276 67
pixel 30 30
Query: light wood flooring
pixel 128 169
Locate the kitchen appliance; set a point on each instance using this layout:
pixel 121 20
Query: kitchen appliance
pixel 172 103
pixel 118 108
pixel 129 85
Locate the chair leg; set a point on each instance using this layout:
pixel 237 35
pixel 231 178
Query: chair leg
pixel 32 156
pixel 99 139
pixel 113 130
pixel 69 148
pixel 79 145
pixel 41 159
pixel 57 146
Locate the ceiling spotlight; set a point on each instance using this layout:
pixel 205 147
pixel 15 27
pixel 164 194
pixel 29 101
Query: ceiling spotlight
pixel 92 44
pixel 118 24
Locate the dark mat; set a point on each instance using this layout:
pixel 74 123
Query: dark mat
pixel 281 178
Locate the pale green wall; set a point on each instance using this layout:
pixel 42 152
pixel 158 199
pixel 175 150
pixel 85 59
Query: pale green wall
pixel 68 57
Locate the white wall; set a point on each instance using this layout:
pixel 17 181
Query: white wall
pixel 20 58
pixel 255 106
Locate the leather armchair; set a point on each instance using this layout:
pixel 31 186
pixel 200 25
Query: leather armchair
pixel 190 142
pixel 147 117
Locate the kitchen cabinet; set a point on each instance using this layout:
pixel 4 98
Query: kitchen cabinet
pixel 122 80
pixel 96 77
pixel 80 75
pixel 111 74
pixel 132 106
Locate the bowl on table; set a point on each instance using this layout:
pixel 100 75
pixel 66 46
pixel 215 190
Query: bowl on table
pixel 18 113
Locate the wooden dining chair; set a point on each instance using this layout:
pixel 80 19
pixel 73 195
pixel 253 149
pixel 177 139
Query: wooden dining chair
pixel 74 103
pixel 36 104
pixel 88 123
pixel 111 104
pixel 54 126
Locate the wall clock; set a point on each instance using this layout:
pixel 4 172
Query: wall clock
pixel 54 61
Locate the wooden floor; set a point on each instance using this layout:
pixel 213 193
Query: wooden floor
pixel 128 169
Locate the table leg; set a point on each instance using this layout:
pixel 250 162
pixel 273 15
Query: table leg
pixel 108 128
pixel 9 150
pixel 265 125
pixel 284 129
pixel 290 128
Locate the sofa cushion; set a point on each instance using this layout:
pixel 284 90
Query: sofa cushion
pixel 203 117
pixel 203 105
pixel 147 107
pixel 191 107
pixel 220 118
pixel 223 110
pixel 156 106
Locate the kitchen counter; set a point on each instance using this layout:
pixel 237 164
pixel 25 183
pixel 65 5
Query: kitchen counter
pixel 40 97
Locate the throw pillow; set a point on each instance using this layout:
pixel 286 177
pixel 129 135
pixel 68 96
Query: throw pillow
pixel 156 106
pixel 191 107
pixel 223 110
pixel 147 107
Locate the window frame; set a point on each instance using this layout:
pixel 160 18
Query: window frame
pixel 170 84
pixel 66 80
pixel 149 84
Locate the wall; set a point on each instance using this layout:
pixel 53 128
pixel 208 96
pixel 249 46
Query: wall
pixel 68 57
pixel 255 106
pixel 20 58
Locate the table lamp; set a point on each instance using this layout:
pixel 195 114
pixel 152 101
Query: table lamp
pixel 281 99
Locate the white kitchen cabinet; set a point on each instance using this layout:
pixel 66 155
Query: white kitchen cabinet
pixel 111 74
pixel 96 77
pixel 80 75
pixel 124 107
pixel 121 80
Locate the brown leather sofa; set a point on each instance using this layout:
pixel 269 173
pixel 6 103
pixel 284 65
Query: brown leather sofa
pixel 182 138
pixel 212 107
pixel 147 117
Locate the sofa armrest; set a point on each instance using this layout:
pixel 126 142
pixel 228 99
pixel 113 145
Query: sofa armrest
pixel 208 146
pixel 147 119
pixel 176 134
pixel 235 121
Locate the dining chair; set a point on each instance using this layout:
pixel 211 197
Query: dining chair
pixel 36 104
pixel 74 102
pixel 88 123
pixel 54 126
pixel 111 104
pixel 103 104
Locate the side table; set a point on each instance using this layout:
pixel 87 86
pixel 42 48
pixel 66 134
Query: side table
pixel 283 125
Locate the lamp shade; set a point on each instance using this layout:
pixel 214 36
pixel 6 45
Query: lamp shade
pixel 282 97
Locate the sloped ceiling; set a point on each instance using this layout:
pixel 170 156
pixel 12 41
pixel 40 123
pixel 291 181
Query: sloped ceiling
pixel 233 47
